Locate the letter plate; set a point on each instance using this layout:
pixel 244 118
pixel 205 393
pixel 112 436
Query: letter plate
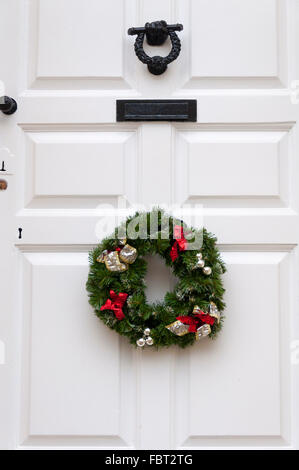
pixel 156 110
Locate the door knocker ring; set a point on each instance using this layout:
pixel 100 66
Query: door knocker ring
pixel 156 33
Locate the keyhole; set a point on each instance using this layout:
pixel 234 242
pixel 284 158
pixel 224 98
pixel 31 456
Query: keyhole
pixel 3 167
pixel 20 233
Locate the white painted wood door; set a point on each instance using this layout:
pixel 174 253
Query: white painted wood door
pixel 66 380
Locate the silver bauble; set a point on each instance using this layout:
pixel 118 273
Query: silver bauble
pixel 199 255
pixel 200 263
pixel 207 270
pixel 147 332
pixel 149 341
pixel 140 342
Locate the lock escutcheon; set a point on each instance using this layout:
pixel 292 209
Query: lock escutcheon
pixel 3 185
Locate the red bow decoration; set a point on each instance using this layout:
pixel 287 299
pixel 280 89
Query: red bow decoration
pixel 197 320
pixel 116 303
pixel 180 242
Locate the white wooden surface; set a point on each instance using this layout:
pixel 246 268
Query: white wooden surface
pixel 69 382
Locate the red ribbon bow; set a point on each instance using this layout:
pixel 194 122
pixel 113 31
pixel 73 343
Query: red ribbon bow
pixel 197 320
pixel 180 242
pixel 116 303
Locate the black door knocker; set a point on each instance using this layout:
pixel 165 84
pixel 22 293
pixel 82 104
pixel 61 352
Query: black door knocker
pixel 156 34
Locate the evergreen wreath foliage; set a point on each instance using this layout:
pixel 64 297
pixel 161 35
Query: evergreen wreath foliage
pixel 194 288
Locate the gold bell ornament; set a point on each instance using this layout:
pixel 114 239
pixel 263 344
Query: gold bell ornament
pixel 128 254
pixel 118 260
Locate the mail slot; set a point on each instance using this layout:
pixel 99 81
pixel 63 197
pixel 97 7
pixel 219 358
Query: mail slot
pixel 156 110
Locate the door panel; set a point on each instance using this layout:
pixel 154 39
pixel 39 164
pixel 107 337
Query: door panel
pixel 250 399
pixel 235 55
pixel 74 32
pixel 68 381
pixel 248 167
pixel 70 165
pixel 73 380
pixel 61 36
pixel 236 45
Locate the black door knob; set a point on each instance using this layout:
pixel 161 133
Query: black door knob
pixel 8 105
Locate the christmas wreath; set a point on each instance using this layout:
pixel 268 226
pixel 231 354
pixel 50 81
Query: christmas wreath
pixel 116 284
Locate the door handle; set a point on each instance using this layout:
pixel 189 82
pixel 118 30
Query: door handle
pixel 156 34
pixel 8 105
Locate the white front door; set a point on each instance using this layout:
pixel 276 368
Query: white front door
pixel 67 380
